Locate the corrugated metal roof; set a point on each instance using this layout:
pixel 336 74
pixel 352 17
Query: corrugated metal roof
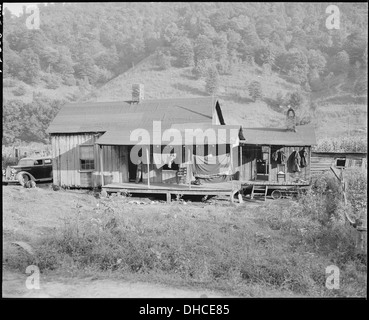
pixel 119 115
pixel 199 134
pixel 303 136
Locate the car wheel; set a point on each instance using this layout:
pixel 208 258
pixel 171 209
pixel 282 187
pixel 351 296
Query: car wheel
pixel 24 178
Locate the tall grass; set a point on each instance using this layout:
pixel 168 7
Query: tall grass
pixel 343 144
pixel 286 248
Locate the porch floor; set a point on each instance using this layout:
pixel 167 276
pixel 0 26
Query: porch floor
pixel 223 188
pixel 273 183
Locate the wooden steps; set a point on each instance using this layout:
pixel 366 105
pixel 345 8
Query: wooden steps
pixel 259 191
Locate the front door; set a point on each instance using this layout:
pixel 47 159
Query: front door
pixel 262 163
pixel 132 168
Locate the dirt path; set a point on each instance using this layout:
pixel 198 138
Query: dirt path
pixel 14 286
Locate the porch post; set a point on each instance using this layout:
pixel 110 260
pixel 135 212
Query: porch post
pixel 189 170
pixel 240 166
pixel 101 165
pixel 148 166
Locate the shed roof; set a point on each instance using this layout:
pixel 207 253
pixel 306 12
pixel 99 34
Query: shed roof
pixel 354 155
pixel 119 115
pixel 303 136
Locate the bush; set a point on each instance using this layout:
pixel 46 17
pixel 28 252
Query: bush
pixel 163 61
pixel 212 80
pixel 9 83
pixel 53 81
pixel 255 91
pixel 69 80
pixel 20 91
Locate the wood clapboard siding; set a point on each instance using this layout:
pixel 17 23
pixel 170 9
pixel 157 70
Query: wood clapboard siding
pixel 319 164
pixel 323 163
pixel 66 161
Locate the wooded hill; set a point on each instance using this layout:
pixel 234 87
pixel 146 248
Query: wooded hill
pixel 254 56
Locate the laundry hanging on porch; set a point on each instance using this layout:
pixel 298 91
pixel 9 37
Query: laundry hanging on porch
pixel 304 157
pixel 212 165
pixel 283 157
pixel 279 156
pixel 296 162
pixel 162 159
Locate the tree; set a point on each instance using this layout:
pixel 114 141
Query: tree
pixel 265 54
pixel 171 32
pixel 203 49
pixel 361 86
pixel 355 45
pixel 219 20
pixel 296 100
pixel 365 57
pixel 201 68
pixel 85 68
pixel 108 60
pixel 31 66
pixel 183 51
pixel 250 36
pixel 212 80
pixel 316 60
pixel 220 43
pixel 341 62
pixel 255 90
pixel 234 39
pixel 13 63
pixel 13 122
pixel 162 60
pixel 64 65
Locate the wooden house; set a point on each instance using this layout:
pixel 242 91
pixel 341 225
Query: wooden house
pixel 92 142
pixel 277 156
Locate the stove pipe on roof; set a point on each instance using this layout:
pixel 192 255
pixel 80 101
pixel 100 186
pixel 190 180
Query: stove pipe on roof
pixel 291 120
pixel 137 92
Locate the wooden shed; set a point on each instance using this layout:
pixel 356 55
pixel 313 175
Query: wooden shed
pixel 323 161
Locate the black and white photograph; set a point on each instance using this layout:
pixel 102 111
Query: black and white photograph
pixel 214 151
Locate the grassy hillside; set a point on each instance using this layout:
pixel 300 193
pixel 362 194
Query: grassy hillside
pixel 337 112
pixel 331 118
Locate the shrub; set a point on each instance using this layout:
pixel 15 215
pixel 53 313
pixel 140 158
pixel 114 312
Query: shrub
pixel 163 61
pixel 296 100
pixel 212 80
pixel 20 91
pixel 255 90
pixel 69 80
pixel 52 81
pixel 10 83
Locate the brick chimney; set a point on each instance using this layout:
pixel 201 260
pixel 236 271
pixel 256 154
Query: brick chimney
pixel 137 92
pixel 291 120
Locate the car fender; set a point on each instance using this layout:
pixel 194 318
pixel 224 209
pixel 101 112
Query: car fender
pixel 20 173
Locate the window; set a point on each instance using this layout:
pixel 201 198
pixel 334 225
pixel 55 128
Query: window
pixel 37 162
pixel 47 161
pixel 86 156
pixel 25 162
pixel 341 162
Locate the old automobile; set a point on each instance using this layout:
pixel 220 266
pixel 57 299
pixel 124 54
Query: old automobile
pixel 37 169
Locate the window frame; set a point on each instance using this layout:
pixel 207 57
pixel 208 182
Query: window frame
pixel 80 159
pixel 341 159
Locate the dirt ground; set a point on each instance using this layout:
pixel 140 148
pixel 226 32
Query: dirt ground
pixel 14 286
